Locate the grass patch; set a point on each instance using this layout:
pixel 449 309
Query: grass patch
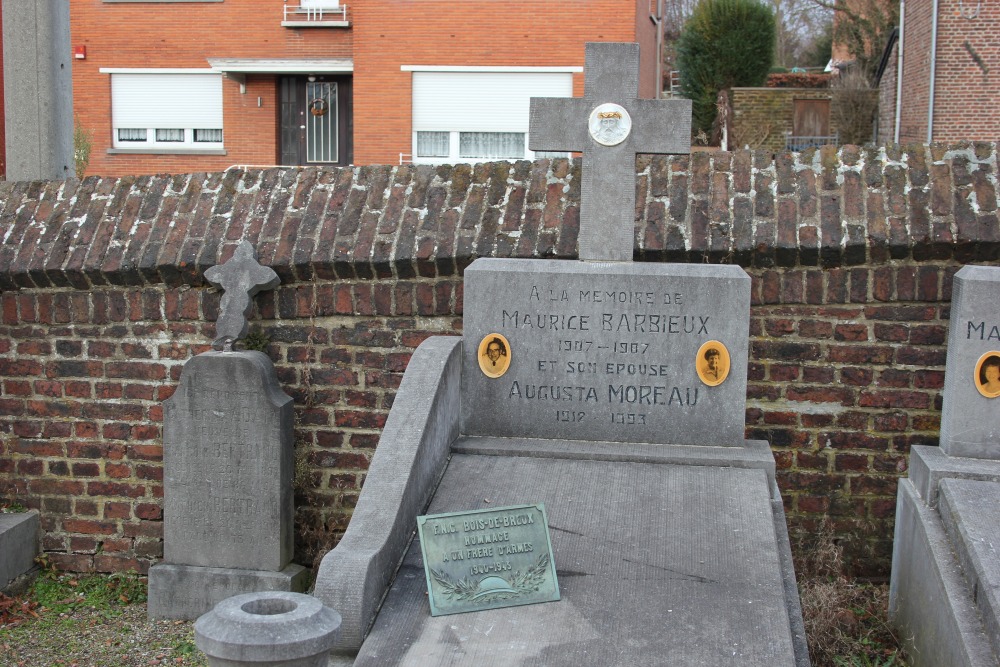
pixel 846 621
pixel 94 619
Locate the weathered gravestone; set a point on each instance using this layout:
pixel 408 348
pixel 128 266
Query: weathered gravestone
pixel 944 595
pixel 614 394
pixel 227 462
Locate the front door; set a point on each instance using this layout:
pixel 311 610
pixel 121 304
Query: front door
pixel 316 120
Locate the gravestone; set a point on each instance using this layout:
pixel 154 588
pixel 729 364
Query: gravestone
pixel 18 547
pixel 227 462
pixel 613 394
pixel 944 596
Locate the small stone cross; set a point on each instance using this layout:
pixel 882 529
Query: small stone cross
pixel 609 125
pixel 241 277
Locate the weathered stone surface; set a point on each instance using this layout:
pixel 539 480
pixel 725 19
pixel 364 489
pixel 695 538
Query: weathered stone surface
pixel 241 277
pixel 700 583
pixel 18 545
pixel 276 629
pixel 401 479
pixel 227 460
pixel 970 512
pixel 930 604
pixel 188 591
pixel 970 421
pixel 605 351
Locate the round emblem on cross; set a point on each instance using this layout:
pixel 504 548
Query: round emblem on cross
pixel 609 124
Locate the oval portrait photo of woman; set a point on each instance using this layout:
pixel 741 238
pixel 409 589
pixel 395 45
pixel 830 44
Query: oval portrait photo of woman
pixel 494 355
pixel 988 374
pixel 712 363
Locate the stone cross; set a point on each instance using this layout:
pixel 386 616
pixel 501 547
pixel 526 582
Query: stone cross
pixel 241 277
pixel 609 125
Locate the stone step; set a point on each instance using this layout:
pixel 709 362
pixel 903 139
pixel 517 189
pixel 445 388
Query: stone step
pixel 970 513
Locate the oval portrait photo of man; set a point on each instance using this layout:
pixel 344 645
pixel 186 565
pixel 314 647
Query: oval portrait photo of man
pixel 988 374
pixel 494 355
pixel 712 363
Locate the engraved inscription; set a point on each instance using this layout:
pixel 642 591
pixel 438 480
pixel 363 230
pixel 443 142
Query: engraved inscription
pixel 609 354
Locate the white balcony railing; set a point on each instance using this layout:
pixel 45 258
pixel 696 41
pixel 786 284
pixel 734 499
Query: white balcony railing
pixel 315 14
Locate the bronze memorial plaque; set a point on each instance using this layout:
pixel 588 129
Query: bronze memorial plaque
pixel 486 559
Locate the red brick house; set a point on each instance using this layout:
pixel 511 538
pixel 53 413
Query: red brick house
pixel 947 87
pixel 200 85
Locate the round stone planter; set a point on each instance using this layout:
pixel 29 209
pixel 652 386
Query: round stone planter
pixel 272 629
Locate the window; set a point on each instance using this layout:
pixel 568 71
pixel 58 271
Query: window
pixel 478 114
pixel 166 111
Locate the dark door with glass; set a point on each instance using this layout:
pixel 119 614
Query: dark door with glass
pixel 316 120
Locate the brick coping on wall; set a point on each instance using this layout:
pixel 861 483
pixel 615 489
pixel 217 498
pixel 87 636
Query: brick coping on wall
pixel 818 208
pixel 102 300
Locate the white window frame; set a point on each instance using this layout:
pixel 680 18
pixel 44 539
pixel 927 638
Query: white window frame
pixel 454 155
pixel 208 116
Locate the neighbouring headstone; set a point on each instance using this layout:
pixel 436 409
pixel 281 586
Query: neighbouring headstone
pixel 613 394
pixel 227 460
pixel 18 547
pixel 944 596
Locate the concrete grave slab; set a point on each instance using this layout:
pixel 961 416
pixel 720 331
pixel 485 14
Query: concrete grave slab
pixel 970 418
pixel 970 512
pixel 605 351
pixel 930 603
pixel 666 560
pixel 18 545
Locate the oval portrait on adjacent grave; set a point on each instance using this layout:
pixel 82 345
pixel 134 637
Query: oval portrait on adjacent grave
pixel 987 376
pixel 609 124
pixel 494 355
pixel 712 363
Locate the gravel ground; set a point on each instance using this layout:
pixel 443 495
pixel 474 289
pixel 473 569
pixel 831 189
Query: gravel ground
pixel 88 638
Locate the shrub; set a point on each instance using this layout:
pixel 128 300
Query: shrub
pixel 725 43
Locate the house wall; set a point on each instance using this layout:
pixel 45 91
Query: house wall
pixel 185 35
pixel 102 300
pixel 383 36
pixel 966 92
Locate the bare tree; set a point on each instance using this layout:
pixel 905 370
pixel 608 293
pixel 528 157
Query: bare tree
pixel 861 28
pixel 800 22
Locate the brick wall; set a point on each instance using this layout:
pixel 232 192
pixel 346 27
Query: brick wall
pixel 964 89
pixel 762 116
pixel 102 300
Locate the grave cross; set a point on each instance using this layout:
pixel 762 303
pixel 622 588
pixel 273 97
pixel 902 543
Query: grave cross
pixel 609 125
pixel 241 277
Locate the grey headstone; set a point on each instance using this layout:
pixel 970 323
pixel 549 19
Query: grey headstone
pixel 241 277
pixel 970 421
pixel 276 629
pixel 607 193
pixel 605 351
pixel 18 545
pixel 227 462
